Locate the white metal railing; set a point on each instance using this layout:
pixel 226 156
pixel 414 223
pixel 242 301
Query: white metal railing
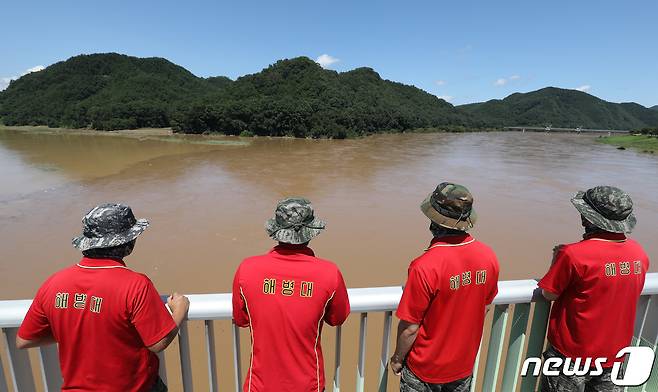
pixel 519 300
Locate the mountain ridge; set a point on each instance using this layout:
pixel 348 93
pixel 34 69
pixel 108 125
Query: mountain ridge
pixel 561 108
pixel 292 97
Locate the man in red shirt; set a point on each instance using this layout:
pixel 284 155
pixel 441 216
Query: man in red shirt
pixel 108 320
pixel 596 284
pixel 445 299
pixel 285 296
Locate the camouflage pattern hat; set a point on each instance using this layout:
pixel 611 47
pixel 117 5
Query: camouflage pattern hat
pixel 294 222
pixel 607 208
pixel 450 206
pixel 109 225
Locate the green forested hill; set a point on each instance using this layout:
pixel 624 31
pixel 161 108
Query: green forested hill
pixel 292 97
pixel 299 98
pixel 102 91
pixel 561 108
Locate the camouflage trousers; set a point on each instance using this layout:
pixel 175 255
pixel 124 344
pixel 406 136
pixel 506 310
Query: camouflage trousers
pixel 409 382
pixel 586 383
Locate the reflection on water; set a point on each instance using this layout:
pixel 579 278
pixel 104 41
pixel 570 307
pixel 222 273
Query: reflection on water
pixel 208 202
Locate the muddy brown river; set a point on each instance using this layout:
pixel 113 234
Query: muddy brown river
pixel 208 198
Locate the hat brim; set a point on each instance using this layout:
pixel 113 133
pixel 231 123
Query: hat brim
pixel 85 243
pixel 446 221
pixel 293 236
pixel 600 221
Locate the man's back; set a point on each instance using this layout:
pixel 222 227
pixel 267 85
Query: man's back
pixel 447 291
pixel 284 296
pixel 599 281
pixel 104 316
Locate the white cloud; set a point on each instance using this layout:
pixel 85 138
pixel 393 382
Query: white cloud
pixel 440 82
pixel 584 88
pixel 500 82
pixel 447 98
pixel 34 69
pixel 326 61
pixel 504 81
pixel 4 82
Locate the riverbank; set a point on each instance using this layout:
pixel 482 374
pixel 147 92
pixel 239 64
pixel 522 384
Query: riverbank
pixel 168 134
pixel 644 143
pixel 159 134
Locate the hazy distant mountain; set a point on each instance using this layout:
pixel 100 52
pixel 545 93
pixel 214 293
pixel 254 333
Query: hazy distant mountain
pixel 292 97
pixel 654 107
pixel 561 108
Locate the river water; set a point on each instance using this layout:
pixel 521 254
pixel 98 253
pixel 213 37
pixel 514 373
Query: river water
pixel 208 198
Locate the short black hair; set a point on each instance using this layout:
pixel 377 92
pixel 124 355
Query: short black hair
pixel 438 229
pixel 114 252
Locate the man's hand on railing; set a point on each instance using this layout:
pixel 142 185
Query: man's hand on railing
pixel 179 305
pixel 397 364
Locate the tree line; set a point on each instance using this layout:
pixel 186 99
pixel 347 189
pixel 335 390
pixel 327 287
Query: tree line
pixel 293 97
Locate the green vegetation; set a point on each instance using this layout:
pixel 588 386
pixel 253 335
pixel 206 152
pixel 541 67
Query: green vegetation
pixel 644 143
pixel 653 131
pixel 293 97
pixel 290 98
pixel 101 91
pixel 562 108
pixel 298 98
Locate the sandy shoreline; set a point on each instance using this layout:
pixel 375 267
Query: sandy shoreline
pixel 160 134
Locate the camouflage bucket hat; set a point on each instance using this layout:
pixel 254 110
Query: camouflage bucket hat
pixel 294 222
pixel 109 225
pixel 450 206
pixel 607 208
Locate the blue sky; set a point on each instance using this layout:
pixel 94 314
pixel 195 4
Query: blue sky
pixel 465 51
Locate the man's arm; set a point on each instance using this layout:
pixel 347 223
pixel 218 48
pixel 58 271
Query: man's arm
pixel 35 329
pixel 338 307
pixel 407 333
pixel 240 314
pixel 42 341
pixel 559 275
pixel 416 298
pixel 179 305
pixel 547 294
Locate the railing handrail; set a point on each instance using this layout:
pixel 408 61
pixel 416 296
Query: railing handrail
pixel 367 299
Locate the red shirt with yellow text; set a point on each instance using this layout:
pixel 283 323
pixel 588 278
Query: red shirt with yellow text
pixel 103 316
pixel 447 291
pixel 285 296
pixel 599 281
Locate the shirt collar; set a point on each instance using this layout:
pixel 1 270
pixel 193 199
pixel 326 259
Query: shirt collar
pixel 606 236
pixel 292 250
pixel 88 262
pixel 451 240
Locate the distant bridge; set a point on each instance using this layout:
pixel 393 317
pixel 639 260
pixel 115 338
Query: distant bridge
pixel 577 130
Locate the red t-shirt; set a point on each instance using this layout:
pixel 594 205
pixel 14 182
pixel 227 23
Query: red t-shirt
pixel 599 281
pixel 284 296
pixel 104 316
pixel 447 291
